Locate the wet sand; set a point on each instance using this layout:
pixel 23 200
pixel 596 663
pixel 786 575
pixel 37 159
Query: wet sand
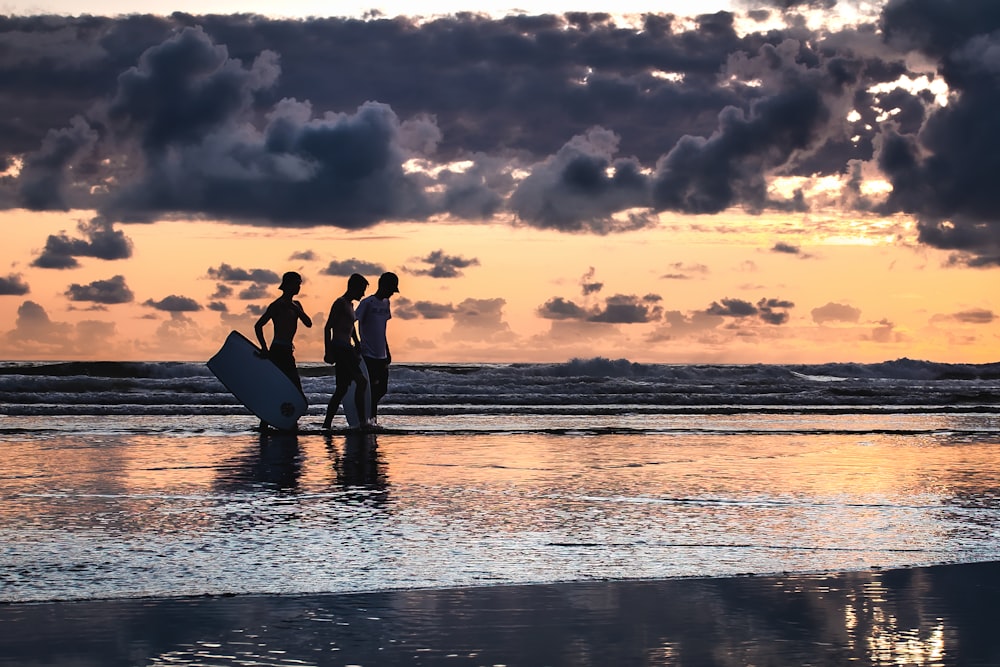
pixel 942 615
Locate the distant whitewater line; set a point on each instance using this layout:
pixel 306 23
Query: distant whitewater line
pixel 595 386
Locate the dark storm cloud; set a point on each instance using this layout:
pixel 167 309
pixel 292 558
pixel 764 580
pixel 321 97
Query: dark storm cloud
pixel 580 187
pixel 791 118
pixel 174 304
pixel 771 311
pixel 444 266
pixel 944 174
pixel 13 285
pixel 348 266
pixel 351 123
pixel 231 274
pixel 101 241
pixel 188 96
pixel 110 291
pixel 45 180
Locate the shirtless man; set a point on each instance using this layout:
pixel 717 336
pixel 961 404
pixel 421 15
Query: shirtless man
pixel 343 349
pixel 285 313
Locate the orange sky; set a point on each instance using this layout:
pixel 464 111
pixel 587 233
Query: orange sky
pixel 777 222
pixel 908 300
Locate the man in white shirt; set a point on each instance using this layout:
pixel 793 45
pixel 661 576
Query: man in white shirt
pixel 373 314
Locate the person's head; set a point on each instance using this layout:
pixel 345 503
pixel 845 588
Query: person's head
pixel 356 286
pixel 291 282
pixel 388 284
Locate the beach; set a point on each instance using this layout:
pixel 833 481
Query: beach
pixel 943 615
pixel 603 513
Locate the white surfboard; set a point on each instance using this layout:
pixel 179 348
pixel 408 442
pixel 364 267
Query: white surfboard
pixel 350 407
pixel 258 383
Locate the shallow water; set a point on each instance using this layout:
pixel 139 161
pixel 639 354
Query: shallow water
pixel 120 511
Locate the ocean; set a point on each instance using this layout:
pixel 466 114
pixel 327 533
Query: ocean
pixel 131 480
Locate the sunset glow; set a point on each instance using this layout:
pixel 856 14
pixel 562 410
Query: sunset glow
pixel 767 186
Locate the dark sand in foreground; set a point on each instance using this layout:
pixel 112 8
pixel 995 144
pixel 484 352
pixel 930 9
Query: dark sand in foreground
pixel 945 615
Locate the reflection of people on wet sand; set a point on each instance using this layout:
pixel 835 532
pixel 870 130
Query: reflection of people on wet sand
pixel 285 314
pixel 343 349
pixel 359 465
pixel 279 465
pixel 373 315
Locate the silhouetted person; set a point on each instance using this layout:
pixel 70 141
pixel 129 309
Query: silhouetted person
pixel 285 314
pixel 373 314
pixel 343 349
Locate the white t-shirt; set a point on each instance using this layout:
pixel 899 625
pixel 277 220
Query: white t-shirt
pixel 373 313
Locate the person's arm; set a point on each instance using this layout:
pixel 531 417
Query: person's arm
pixel 258 329
pixel 328 327
pixel 301 313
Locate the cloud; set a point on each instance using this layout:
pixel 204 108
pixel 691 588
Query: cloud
pixel 33 324
pixel 110 291
pixel 254 292
pixel 410 310
pixel 943 173
pixel 101 241
pixel 732 308
pixel 572 122
pixel 971 316
pixel 680 324
pixel 786 248
pixel 582 186
pixel 682 271
pixel 304 255
pixel 13 285
pixel 35 333
pixel 444 266
pixel 222 291
pixel 836 312
pixel 481 320
pixel 45 174
pixel 558 308
pixel 587 283
pixel 617 309
pixel 348 266
pixel 229 274
pixel 174 304
pixel 628 309
pixel 770 311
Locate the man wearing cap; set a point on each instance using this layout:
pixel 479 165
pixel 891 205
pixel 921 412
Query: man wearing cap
pixel 373 314
pixel 285 313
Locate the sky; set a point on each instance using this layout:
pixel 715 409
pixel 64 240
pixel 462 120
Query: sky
pixel 676 182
